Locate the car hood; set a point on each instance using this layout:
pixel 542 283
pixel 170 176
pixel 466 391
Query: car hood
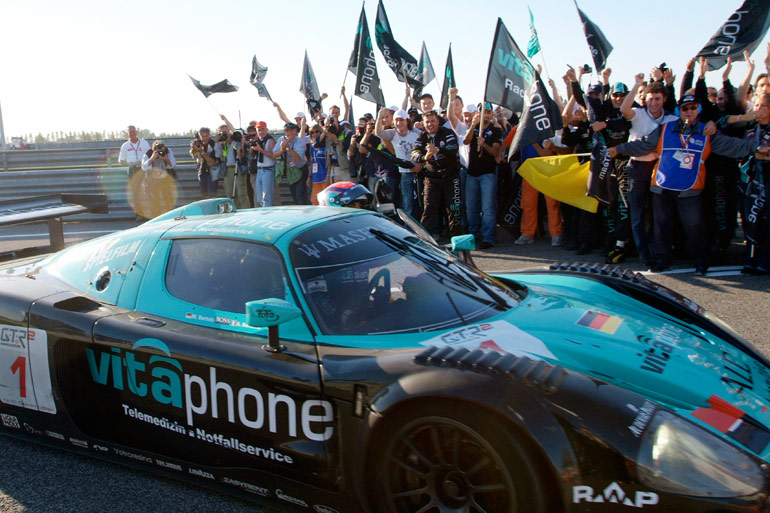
pixel 587 326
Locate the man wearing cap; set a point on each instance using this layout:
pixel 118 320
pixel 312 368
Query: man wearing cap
pixel 402 137
pixel 262 166
pixel 131 153
pixel 226 151
pixel 293 150
pixel 679 176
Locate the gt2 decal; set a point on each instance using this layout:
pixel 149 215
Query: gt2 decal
pixel 498 335
pixel 162 379
pixel 25 378
pixel 613 494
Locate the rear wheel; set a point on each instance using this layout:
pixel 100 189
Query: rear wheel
pixel 439 460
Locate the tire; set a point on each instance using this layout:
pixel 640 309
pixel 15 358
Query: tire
pixel 451 458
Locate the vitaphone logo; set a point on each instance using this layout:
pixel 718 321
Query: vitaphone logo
pixel 511 61
pixel 163 378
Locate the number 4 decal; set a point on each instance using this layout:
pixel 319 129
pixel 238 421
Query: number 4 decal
pixel 25 378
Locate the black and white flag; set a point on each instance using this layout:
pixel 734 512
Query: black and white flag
pixel 399 60
pixel 220 87
pixel 597 43
pixel 743 30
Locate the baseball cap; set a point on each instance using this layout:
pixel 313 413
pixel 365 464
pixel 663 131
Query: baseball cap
pixel 300 115
pixel 595 89
pixel 470 108
pixel 261 124
pixel 344 122
pixel 290 126
pixel 393 108
pixel 619 87
pixel 688 98
pixel 400 114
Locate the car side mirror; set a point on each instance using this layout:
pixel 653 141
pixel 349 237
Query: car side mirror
pixel 462 245
pixel 270 313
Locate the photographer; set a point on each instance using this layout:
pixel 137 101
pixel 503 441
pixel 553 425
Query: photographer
pixel 293 150
pixel 226 150
pixel 202 150
pixel 337 141
pixel 158 164
pixel 355 157
pixel 262 166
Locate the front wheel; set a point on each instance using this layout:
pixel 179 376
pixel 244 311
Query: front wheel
pixel 442 460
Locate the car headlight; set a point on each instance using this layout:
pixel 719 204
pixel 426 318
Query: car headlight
pixel 680 457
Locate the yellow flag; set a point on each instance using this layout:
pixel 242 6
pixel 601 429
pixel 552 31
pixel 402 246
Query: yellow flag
pixel 561 177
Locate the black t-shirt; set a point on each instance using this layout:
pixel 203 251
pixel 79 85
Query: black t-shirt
pixel 482 162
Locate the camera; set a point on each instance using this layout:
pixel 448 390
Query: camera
pixel 237 136
pixel 662 67
pixel 221 137
pixel 331 128
pixel 162 150
pixel 586 68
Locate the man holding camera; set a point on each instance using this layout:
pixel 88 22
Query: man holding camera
pixel 131 153
pixel 158 165
pixel 202 150
pixel 262 166
pixel 337 140
pixel 226 151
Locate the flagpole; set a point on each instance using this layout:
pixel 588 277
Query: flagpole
pixel 212 105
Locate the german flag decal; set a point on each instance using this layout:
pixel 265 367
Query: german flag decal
pixel 600 322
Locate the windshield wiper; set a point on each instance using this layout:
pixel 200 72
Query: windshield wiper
pixel 439 267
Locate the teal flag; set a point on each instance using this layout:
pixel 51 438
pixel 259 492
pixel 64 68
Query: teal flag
pixel 534 43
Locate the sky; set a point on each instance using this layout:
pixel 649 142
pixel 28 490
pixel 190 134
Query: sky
pixel 83 65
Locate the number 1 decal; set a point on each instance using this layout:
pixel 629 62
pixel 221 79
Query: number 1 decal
pixel 25 379
pixel 20 366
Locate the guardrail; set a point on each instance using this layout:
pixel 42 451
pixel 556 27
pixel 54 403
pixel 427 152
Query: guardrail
pixel 91 170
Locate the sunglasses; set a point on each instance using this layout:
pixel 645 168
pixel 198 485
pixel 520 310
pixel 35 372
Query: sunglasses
pixel 685 108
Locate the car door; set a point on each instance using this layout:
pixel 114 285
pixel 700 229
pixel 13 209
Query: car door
pixel 185 377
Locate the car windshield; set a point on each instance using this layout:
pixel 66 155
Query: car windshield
pixel 365 275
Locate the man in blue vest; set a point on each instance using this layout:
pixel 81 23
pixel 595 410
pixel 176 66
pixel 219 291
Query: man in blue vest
pixel 679 177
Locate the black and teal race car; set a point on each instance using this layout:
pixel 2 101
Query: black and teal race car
pixel 332 360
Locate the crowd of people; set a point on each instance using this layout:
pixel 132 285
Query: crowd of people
pixel 685 165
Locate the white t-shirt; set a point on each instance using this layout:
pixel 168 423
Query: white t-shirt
pixel 402 144
pixel 132 153
pixel 464 150
pixel 642 125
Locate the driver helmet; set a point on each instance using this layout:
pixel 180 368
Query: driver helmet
pixel 345 194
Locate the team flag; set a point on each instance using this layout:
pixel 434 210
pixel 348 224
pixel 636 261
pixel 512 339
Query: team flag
pixel 534 43
pixel 309 87
pixel 743 30
pixel 597 43
pixel 425 71
pixel 353 60
pixel 561 177
pixel 449 79
pixel 509 74
pixel 258 73
pixel 220 87
pixel 367 79
pixel 399 60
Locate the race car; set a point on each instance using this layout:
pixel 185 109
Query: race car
pixel 332 360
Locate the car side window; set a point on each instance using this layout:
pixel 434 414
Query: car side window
pixel 224 274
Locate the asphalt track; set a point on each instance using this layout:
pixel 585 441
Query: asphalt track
pixel 36 479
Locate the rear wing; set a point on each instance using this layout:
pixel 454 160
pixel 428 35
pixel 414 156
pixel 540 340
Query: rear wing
pixel 51 208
